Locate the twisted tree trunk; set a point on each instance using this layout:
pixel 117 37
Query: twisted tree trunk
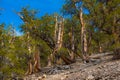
pixel 36 60
pixel 59 30
pixel 83 36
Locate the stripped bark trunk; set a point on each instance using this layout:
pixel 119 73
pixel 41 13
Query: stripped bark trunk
pixel 100 48
pixel 83 36
pixel 36 60
pixel 50 59
pixel 59 27
pixel 56 29
pixel 72 44
pixel 30 68
pixel 52 55
pixel 62 32
pixel 34 63
pixel 59 36
pixel 30 64
pixel 28 43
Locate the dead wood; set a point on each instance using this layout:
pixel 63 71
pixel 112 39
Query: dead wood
pixel 30 68
pixel 67 60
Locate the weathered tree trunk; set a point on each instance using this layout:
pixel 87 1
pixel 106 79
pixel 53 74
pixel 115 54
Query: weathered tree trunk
pixel 89 41
pixel 59 36
pixel 50 59
pixel 62 32
pixel 59 28
pixel 37 61
pixel 59 44
pixel 30 64
pixel 56 29
pixel 100 48
pixel 30 68
pixel 67 60
pixel 72 44
pixel 83 36
pixel 34 63
pixel 52 55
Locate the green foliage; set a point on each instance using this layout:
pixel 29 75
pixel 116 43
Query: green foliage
pixel 102 28
pixel 12 54
pixel 101 23
pixel 63 51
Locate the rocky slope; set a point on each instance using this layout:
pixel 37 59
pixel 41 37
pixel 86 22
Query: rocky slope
pixel 102 67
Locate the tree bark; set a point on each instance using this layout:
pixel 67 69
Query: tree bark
pixel 67 60
pixel 50 59
pixel 72 44
pixel 83 36
pixel 56 29
pixel 30 68
pixel 60 34
pixel 100 48
pixel 36 61
pixel 59 27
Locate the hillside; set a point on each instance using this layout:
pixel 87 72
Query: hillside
pixel 101 67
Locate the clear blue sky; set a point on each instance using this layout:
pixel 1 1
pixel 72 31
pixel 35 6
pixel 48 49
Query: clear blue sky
pixel 43 6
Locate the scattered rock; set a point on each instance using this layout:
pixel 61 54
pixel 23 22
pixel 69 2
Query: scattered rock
pixel 104 69
pixel 90 77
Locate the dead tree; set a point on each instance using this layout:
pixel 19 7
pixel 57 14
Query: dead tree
pixel 60 35
pixel 56 29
